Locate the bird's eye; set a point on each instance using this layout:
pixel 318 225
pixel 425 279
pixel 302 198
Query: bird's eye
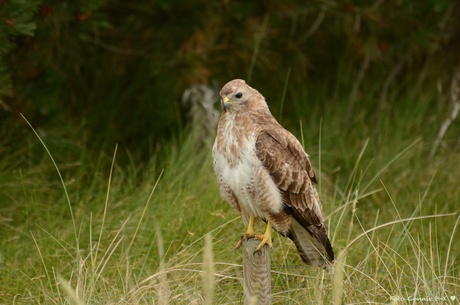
pixel 239 95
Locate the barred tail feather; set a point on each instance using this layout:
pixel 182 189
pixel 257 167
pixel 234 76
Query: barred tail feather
pixel 312 243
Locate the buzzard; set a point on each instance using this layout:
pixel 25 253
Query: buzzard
pixel 264 173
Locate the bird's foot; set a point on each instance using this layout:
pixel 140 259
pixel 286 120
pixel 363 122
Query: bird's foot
pixel 244 237
pixel 264 239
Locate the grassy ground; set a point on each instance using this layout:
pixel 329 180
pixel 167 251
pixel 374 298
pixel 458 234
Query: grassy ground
pixel 86 230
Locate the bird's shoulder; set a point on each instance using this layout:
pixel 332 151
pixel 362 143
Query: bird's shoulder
pixel 283 155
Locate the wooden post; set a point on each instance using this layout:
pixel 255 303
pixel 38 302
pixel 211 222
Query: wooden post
pixel 256 274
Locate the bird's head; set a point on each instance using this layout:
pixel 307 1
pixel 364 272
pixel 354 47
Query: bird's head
pixel 237 93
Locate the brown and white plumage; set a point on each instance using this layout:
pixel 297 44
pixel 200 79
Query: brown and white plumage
pixel 264 172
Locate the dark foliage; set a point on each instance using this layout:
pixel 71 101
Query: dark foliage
pixel 115 70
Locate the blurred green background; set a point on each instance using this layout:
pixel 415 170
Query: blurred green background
pixel 371 88
pixel 106 72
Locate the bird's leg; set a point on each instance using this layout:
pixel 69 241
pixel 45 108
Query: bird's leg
pixel 265 238
pixel 250 232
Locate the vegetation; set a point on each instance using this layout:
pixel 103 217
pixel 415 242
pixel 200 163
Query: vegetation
pixel 135 235
pixel 84 220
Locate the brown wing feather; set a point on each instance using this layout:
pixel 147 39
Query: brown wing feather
pixel 289 166
pixel 291 170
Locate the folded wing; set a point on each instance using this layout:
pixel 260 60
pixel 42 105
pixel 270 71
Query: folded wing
pixel 288 164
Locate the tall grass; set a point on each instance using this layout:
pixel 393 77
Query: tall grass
pixel 77 227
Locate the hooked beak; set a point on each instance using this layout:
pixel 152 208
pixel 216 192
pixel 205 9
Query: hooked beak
pixel 225 103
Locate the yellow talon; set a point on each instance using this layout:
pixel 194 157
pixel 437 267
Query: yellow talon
pixel 265 238
pixel 250 233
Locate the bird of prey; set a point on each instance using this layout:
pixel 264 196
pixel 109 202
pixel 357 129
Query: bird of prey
pixel 264 173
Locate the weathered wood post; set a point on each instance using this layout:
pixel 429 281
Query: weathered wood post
pixel 256 274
